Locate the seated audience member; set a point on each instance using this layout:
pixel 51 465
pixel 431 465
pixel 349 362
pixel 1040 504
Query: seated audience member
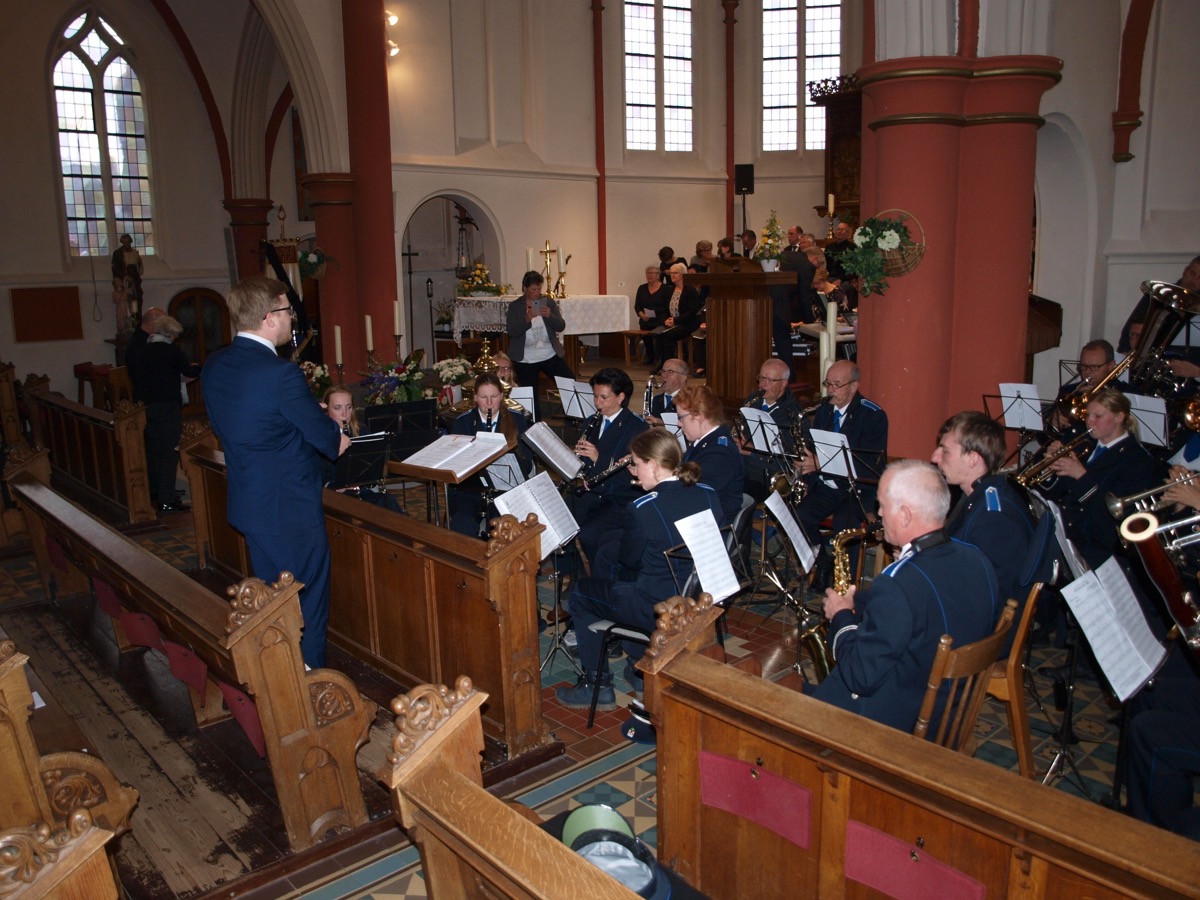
pixel 504 369
pixel 650 304
pixel 774 398
pixel 704 256
pixel 842 241
pixel 683 314
pixel 470 501
pixel 1111 460
pixel 534 323
pixel 632 574
pixel 749 243
pixel 674 378
pixel 726 248
pixel 711 446
pixel 339 405
pixel 884 638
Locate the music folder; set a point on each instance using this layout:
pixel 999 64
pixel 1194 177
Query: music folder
pixel 453 458
pixel 538 495
pixel 552 451
pixel 364 461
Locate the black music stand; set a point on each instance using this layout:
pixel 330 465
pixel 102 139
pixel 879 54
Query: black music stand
pixel 1063 763
pixel 364 462
pixel 1022 408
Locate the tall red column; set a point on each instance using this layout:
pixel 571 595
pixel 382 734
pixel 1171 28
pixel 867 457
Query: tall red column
pixel 952 142
pixel 332 199
pixel 248 219
pixel 368 115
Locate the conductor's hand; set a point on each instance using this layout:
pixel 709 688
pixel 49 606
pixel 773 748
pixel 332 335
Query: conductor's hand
pixel 835 602
pixel 344 444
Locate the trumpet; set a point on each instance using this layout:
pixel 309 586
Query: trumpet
pixel 1119 506
pixel 1038 472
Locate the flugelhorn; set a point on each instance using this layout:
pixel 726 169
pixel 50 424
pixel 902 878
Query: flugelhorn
pixel 1119 506
pixel 1037 472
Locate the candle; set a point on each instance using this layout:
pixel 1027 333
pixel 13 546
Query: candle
pixel 560 265
pixel 370 339
pixel 829 203
pixel 528 259
pixel 395 317
pixel 337 344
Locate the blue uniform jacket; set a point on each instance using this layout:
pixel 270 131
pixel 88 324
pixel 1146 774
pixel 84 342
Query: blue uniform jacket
pixel 721 469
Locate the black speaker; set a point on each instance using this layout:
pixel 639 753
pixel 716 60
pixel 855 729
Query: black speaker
pixel 743 179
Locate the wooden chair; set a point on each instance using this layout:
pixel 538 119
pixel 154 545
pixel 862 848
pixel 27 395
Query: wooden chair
pixel 119 386
pixel 968 670
pixel 1007 684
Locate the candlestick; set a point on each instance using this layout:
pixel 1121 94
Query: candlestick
pixel 370 339
pixel 528 259
pixel 560 259
pixel 338 365
pixel 337 347
pixel 395 317
pixel 396 337
pixel 829 203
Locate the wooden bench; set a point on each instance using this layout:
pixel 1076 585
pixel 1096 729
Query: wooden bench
pixel 99 455
pixel 312 723
pixel 472 844
pixel 416 601
pixel 68 864
pixel 764 792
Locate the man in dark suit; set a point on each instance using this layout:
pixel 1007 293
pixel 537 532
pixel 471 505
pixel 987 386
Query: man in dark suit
pixel 884 638
pixel 842 241
pixel 275 436
pixel 773 398
pixel 674 377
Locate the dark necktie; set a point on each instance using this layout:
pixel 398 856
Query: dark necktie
pixel 838 415
pixel 1097 453
pixel 603 425
pixel 668 404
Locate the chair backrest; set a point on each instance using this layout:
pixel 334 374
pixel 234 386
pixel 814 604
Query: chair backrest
pixel 966 672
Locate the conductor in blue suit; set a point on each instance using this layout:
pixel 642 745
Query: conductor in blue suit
pixel 274 434
pixel 884 639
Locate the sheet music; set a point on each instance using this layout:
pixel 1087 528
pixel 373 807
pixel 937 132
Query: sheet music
pixel 1075 562
pixel 670 422
pixel 505 473
pixel 576 396
pixel 831 460
pixel 783 515
pixel 1116 628
pixel 1151 415
pixel 763 430
pixel 538 495
pixel 1022 406
pixel 709 554
pixel 552 451
pixel 524 396
pixel 459 453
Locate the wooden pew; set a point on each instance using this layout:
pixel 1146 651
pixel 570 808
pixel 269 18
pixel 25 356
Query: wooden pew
pixel 10 421
pixel 416 601
pixel 764 792
pixel 67 864
pixel 99 455
pixel 312 723
pixel 472 844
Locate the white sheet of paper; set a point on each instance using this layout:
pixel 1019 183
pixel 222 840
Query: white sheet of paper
pixel 703 538
pixel 538 495
pixel 38 702
pixel 505 473
pixel 552 451
pixel 763 430
pixel 670 422
pixel 524 396
pixel 1151 415
pixel 783 515
pixel 830 458
pixel 1022 406
pixel 576 397
pixel 1074 561
pixel 1115 627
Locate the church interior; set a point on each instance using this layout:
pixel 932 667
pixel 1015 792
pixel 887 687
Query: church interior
pixel 379 151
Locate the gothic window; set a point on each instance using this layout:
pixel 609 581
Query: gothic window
pixel 658 75
pixel 788 112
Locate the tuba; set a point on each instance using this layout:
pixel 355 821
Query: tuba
pixel 1171 308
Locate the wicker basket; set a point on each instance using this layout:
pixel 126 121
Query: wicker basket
pixel 903 260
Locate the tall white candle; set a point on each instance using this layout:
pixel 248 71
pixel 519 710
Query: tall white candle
pixel 560 265
pixel 829 203
pixel 337 344
pixel 528 259
pixel 370 339
pixel 395 317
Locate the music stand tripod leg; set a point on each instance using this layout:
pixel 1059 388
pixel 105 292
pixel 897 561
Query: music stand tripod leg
pixel 557 631
pixel 1063 764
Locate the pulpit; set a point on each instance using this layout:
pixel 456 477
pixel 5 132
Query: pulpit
pixel 739 324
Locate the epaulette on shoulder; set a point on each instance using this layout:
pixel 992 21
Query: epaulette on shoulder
pixel 899 564
pixel 646 499
pixel 992 499
pixel 869 404
pixel 722 441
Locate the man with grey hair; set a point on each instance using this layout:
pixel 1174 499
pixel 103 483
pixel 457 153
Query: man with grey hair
pixel 884 639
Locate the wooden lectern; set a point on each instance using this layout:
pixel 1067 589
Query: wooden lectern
pixel 739 324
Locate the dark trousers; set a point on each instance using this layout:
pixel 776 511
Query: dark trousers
pixel 1164 755
pixel 527 375
pixel 164 424
pixel 306 555
pixel 593 599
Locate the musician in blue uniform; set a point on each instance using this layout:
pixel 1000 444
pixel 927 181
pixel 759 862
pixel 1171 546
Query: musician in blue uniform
pixel 605 440
pixel 469 501
pixel 991 514
pixel 774 398
pixel 629 578
pixel 884 638
pixel 674 376
pixel 711 446
pixel 1110 461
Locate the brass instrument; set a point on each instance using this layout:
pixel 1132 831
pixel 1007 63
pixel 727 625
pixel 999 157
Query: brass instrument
pixel 1038 472
pixel 1143 525
pixel 1171 308
pixel 1119 506
pixel 1074 405
pixel 582 485
pixel 740 434
pixel 651 384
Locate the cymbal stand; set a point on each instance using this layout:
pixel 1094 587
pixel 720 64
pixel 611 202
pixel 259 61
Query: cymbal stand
pixel 558 630
pixel 1063 764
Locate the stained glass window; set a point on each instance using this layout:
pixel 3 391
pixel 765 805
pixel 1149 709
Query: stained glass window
pixel 658 75
pixel 784 95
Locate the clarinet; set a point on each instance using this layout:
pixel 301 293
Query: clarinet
pixel 582 485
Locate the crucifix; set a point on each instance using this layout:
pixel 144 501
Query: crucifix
pixel 408 267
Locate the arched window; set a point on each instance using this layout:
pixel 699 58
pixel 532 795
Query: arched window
pixel 784 95
pixel 101 140
pixel 658 75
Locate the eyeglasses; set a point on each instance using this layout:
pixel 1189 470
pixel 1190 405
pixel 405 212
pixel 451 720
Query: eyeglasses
pixel 834 386
pixel 288 309
pixel 767 378
pixel 1086 367
pixel 681 416
pixel 673 372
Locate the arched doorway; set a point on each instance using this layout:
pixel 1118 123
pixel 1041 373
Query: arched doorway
pixel 444 234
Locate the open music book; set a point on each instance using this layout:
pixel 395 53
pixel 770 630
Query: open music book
pixel 1116 628
pixel 577 399
pixel 539 495
pixel 552 451
pixel 454 457
pixel 832 455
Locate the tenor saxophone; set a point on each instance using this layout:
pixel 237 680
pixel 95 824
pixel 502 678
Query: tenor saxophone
pixel 814 628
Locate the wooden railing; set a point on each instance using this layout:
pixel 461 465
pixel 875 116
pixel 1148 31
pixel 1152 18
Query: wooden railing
pixel 764 792
pixel 419 602
pixel 99 455
pixel 308 724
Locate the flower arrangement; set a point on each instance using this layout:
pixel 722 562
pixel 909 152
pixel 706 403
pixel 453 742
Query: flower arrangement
pixel 394 382
pixel 479 281
pixel 882 247
pixel 312 264
pixel 318 378
pixel 443 312
pixel 770 246
pixel 455 370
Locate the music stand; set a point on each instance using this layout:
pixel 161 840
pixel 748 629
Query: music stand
pixel 363 463
pixel 1020 411
pixel 576 398
pixel 413 425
